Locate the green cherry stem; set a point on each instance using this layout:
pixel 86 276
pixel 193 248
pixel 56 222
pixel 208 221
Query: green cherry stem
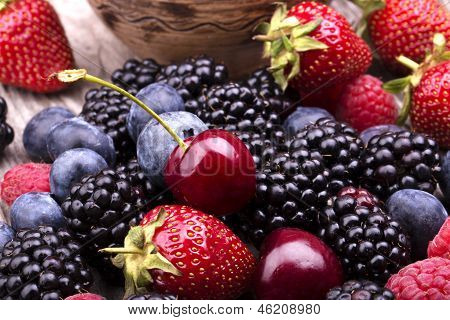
pixel 69 76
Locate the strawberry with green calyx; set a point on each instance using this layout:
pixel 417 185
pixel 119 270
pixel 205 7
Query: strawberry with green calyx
pixel 368 7
pixel 33 45
pixel 426 92
pixel 404 27
pixel 183 251
pixel 313 49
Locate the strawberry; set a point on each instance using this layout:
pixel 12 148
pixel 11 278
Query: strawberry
pixel 364 104
pixel 33 45
pixel 185 252
pixel 406 27
pixel 427 92
pixel 313 49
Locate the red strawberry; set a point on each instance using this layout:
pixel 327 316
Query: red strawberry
pixel 33 45
pixel 185 252
pixel 313 48
pixel 440 246
pixel 407 27
pixel 85 296
pixel 25 178
pixel 426 93
pixel 364 104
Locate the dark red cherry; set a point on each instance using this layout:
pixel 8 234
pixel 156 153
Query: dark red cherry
pixel 216 174
pixel 296 265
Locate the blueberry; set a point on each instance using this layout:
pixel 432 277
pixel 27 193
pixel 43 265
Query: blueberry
pixel 160 98
pixel 77 133
pixel 155 144
pixel 446 176
pixel 70 167
pixel 34 209
pixel 420 214
pixel 38 128
pixel 6 234
pixel 304 116
pixel 371 132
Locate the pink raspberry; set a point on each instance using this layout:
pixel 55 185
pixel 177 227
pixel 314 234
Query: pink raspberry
pixel 25 178
pixel 423 280
pixel 365 104
pixel 85 296
pixel 440 246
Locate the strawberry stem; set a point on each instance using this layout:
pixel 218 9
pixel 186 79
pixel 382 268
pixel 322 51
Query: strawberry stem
pixel 408 63
pixel 81 74
pixel 4 4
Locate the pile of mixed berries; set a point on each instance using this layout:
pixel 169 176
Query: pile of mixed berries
pixel 224 188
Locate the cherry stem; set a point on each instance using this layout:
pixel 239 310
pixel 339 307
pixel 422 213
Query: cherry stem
pixel 75 75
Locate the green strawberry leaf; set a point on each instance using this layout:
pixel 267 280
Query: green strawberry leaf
pixel 404 112
pixel 307 44
pixel 397 85
pixel 305 29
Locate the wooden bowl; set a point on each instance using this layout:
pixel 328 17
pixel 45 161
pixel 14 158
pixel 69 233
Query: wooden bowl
pixel 171 30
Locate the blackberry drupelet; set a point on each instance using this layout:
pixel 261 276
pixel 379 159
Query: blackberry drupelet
pixel 42 264
pixel 336 144
pixel 98 211
pixel 262 83
pixel 6 131
pixel 400 160
pixel 151 195
pixel 370 244
pixel 291 190
pixel 360 290
pixel 108 110
pixel 136 74
pixel 153 296
pixel 191 76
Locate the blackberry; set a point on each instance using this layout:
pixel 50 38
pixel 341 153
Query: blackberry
pixel 234 107
pixel 193 75
pixel 98 211
pixel 136 74
pixel 151 195
pixel 360 290
pixel 264 146
pixel 370 244
pixel 400 160
pixel 108 110
pixel 336 144
pixel 262 83
pixel 153 296
pixel 42 263
pixel 291 190
pixel 6 131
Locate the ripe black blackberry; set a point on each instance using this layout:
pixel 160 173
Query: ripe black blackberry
pixel 400 160
pixel 151 195
pixel 193 75
pixel 262 83
pixel 98 211
pixel 153 296
pixel 370 244
pixel 136 74
pixel 234 107
pixel 108 110
pixel 6 131
pixel 336 144
pixel 360 290
pixel 42 264
pixel 291 190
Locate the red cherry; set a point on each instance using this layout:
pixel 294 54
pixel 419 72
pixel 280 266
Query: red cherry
pixel 296 265
pixel 216 174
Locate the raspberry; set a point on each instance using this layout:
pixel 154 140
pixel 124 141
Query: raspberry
pixel 25 178
pixel 424 280
pixel 440 246
pixel 365 104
